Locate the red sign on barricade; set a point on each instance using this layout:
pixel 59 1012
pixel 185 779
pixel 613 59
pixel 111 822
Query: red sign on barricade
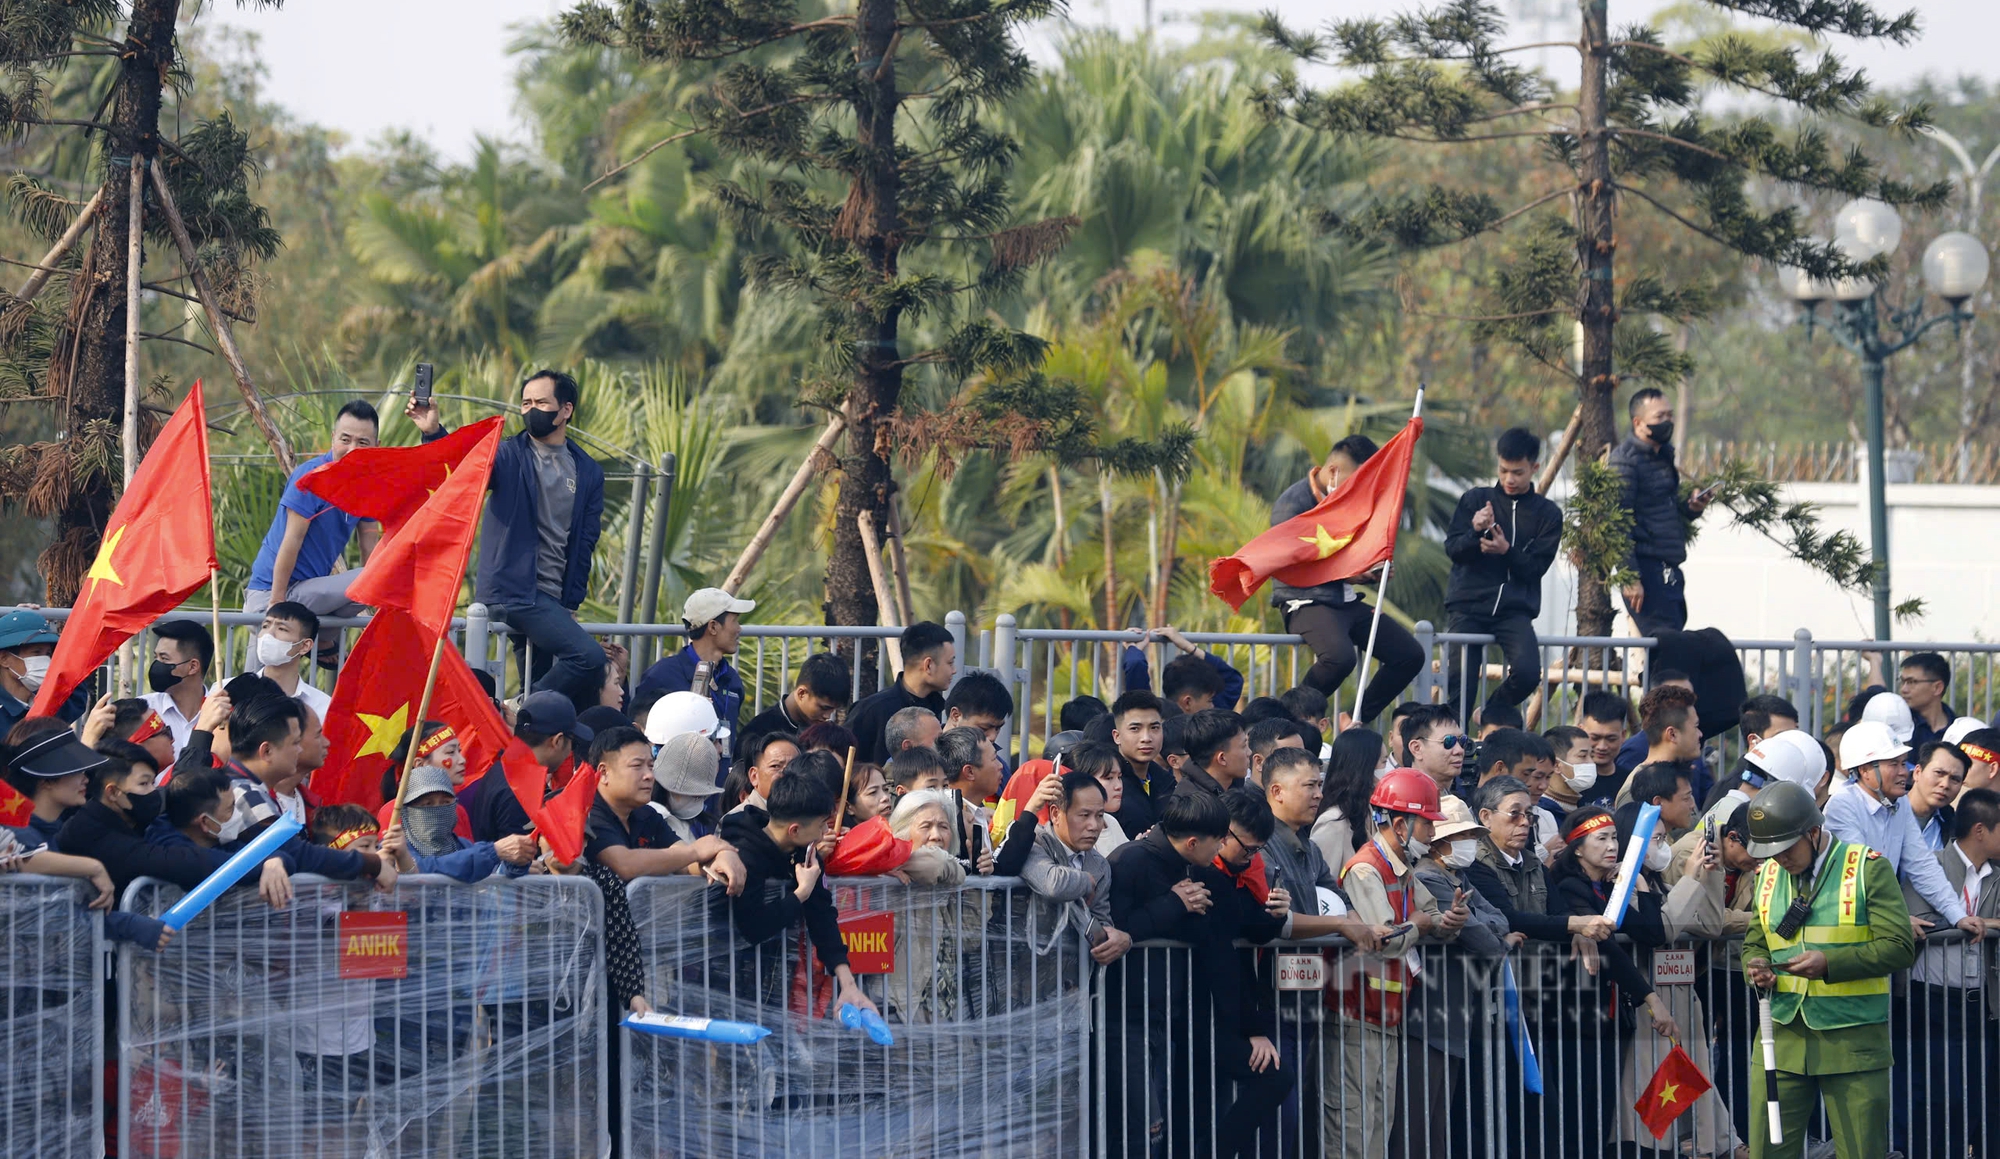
pixel 871 942
pixel 374 945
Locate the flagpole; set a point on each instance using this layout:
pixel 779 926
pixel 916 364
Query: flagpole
pixel 1381 593
pixel 214 611
pixel 417 726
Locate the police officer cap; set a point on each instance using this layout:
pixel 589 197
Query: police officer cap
pixel 1781 814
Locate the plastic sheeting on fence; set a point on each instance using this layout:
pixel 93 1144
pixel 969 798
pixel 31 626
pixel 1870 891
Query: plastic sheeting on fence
pixel 991 1036
pixel 439 1019
pixel 52 1025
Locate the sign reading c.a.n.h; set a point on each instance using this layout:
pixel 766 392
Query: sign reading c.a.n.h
pixel 374 945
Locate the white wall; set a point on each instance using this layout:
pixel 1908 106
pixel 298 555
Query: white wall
pixel 1944 547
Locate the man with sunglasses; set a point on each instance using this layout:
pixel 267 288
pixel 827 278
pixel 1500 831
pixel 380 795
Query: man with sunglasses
pixel 541 528
pixel 1869 810
pixel 1435 745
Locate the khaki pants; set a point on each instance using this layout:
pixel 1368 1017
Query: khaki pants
pixel 1857 1110
pixel 1358 1073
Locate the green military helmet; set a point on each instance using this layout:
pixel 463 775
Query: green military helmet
pixel 1780 814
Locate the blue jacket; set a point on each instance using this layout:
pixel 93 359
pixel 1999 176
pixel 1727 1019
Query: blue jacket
pixel 507 538
pixel 675 673
pixel 471 861
pixel 1134 671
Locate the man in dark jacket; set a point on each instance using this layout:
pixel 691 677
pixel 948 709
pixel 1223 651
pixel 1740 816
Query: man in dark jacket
pixel 541 526
pixel 1501 541
pixel 1166 885
pixel 1333 618
pixel 1645 461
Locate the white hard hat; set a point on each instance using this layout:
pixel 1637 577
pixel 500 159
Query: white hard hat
pixel 677 713
pixel 1780 762
pixel 1330 905
pixel 1813 752
pixel 1887 708
pixel 1961 728
pixel 1867 742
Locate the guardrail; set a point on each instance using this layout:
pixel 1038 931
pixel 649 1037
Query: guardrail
pixel 52 1023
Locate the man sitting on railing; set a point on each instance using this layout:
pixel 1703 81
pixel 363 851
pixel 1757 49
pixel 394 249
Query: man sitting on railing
pixel 300 558
pixel 930 658
pixel 1192 681
pixel 1501 541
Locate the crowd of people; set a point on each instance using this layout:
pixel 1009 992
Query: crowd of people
pixel 1439 848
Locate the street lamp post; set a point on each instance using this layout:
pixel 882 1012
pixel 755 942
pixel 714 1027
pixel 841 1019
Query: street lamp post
pixel 1954 266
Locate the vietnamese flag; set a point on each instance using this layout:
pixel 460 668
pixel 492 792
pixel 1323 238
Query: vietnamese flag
pixel 375 702
pixel 1015 797
pixel 1346 535
pixel 158 548
pixel 564 820
pixel 419 568
pixel 1672 1092
pixel 15 809
pixel 390 484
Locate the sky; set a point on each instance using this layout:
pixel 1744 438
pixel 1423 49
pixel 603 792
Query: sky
pixel 368 66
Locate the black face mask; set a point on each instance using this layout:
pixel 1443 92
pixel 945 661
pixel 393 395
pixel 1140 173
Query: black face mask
pixel 143 809
pixel 160 676
pixel 541 423
pixel 1661 433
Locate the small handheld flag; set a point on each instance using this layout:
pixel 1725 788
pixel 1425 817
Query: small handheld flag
pixel 1672 1092
pixel 1643 830
pixel 1517 1030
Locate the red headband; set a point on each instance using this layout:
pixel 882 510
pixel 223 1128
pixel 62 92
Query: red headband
pixel 1980 753
pixel 1596 822
pixel 148 728
pixel 434 742
pixel 352 835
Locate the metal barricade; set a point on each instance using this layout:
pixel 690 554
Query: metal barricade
pixel 991 1035
pixel 440 1019
pixel 51 1071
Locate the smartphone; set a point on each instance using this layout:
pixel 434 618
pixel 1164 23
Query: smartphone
pixel 1704 494
pixel 421 393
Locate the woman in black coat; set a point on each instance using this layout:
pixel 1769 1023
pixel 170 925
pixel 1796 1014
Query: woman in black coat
pixel 1585 1059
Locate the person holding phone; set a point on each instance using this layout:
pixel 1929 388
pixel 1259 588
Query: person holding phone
pixel 1652 493
pixel 302 558
pixel 1501 541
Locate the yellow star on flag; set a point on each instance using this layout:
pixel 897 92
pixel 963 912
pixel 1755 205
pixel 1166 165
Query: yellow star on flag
pixel 100 568
pixel 441 482
pixel 384 732
pixel 1326 543
pixel 1668 1093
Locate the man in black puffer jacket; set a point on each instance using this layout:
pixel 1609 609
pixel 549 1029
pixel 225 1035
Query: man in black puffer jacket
pixel 1645 461
pixel 1501 541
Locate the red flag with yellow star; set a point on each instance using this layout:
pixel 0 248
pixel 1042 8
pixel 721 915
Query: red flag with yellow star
pixel 1350 532
pixel 1672 1093
pixel 375 701
pixel 390 484
pixel 158 548
pixel 420 566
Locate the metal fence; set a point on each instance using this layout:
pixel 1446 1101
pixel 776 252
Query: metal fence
pixel 52 1023
pixel 991 1050
pixel 439 1019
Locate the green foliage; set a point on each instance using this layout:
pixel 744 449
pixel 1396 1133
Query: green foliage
pixel 1597 526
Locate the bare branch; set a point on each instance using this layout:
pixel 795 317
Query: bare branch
pixel 1544 199
pixel 656 146
pixel 1616 131
pixel 1657 204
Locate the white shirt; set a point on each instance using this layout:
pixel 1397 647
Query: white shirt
pixel 309 696
pixel 178 726
pixel 1112 837
pixel 1960 964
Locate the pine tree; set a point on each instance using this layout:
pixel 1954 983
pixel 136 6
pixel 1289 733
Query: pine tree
pixel 68 348
pixel 1633 136
pixel 864 138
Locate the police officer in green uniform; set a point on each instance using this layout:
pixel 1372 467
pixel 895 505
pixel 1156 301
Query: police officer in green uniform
pixel 1828 928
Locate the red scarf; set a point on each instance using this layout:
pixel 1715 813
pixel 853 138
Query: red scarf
pixel 1252 878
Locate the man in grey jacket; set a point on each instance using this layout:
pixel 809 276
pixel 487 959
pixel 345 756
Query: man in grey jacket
pixel 1070 881
pixel 1333 618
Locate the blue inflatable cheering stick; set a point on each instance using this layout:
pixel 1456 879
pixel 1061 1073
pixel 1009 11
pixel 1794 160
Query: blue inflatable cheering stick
pixel 232 871
pixel 855 1018
pixel 705 1029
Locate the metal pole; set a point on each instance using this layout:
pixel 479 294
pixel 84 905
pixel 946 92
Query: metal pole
pixel 1878 504
pixel 656 552
pixel 635 528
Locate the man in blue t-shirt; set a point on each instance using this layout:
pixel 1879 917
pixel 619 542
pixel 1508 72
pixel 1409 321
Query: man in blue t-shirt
pixel 301 556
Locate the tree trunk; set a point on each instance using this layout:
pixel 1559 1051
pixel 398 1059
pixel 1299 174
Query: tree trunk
pixel 87 371
pixel 872 221
pixel 1596 300
pixel 1170 544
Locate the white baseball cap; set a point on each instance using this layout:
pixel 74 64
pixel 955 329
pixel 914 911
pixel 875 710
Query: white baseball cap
pixel 1867 742
pixel 1890 709
pixel 709 604
pixel 678 713
pixel 1961 728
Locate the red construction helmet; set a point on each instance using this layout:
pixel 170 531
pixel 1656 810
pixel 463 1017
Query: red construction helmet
pixel 1407 791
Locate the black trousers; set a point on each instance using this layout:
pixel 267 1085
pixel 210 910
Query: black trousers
pixel 1665 606
pixel 1203 1121
pixel 1337 633
pixel 1516 637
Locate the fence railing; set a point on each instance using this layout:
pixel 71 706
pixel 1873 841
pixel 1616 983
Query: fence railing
pixel 1049 666
pixel 455 1019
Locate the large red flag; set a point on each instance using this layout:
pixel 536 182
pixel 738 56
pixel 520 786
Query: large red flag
pixel 1672 1092
pixel 1350 532
pixel 420 567
pixel 158 547
pixel 390 484
pixel 375 701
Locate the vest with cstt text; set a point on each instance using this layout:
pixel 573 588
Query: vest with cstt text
pixel 1839 917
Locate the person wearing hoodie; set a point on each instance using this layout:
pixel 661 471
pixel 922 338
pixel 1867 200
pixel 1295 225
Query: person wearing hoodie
pixel 782 887
pixel 1501 541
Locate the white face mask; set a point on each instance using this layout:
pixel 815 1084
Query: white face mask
pixel 1461 854
pixel 1582 775
pixel 685 807
pixel 272 652
pixel 1419 848
pixel 34 669
pixel 1658 857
